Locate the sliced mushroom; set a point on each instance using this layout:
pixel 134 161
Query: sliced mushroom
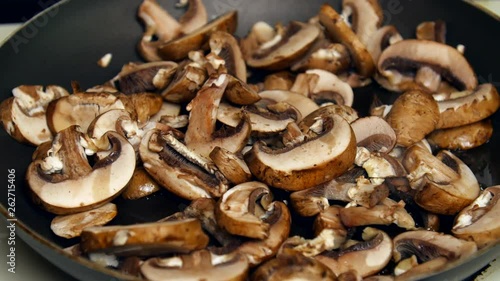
pixel 293 267
pixel 385 213
pixel 282 80
pixel 323 87
pixel 340 31
pixel 463 137
pixel 331 57
pixel 432 31
pixel 303 104
pixel 199 265
pixel 326 240
pixel 186 82
pixel 194 18
pixel 427 245
pixel 63 181
pixel 70 226
pixel 468 107
pixel 241 208
pixel 231 165
pixel 177 168
pixel 292 168
pixel 413 116
pixel 144 77
pixel 367 17
pixel 367 258
pixel 158 20
pixel 80 109
pixel 478 221
pixel 329 219
pixel 227 48
pixel 410 55
pixel 179 48
pixel 23 115
pixel 444 183
pixel 381 39
pixel 419 271
pixel 239 92
pixel 374 133
pixel 145 239
pixel 201 135
pixel 285 48
pixel 141 185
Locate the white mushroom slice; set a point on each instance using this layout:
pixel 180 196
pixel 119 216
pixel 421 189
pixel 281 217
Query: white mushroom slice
pixel 477 222
pixel 367 257
pixel 410 55
pixel 292 168
pixel 199 265
pixel 444 183
pixel 293 266
pixel 145 239
pixel 303 104
pixel 340 31
pixel 280 52
pixel 468 107
pixel 23 115
pixel 240 210
pixel 165 160
pixel 70 226
pixel 374 133
pixel 80 109
pixel 367 17
pixel 385 213
pixel 63 182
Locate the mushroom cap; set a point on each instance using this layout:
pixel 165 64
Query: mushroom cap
pixel 468 107
pixel 199 265
pixel 145 239
pixel 412 54
pixel 88 187
pixel 478 222
pixel 462 137
pixel 179 48
pixel 413 116
pixel 340 31
pixel 292 168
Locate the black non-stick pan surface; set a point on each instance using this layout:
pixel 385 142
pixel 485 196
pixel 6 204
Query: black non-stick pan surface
pixel 63 44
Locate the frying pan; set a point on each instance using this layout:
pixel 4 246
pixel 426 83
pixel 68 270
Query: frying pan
pixel 63 44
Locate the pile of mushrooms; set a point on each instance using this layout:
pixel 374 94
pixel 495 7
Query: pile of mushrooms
pixel 259 159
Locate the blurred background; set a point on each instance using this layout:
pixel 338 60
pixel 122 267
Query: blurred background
pixel 14 11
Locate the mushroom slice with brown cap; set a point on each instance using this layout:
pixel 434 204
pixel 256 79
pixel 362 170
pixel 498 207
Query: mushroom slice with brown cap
pixel 303 104
pixel 80 109
pixel 141 185
pixel 194 18
pixel 179 48
pixel 380 166
pixel 239 92
pixel 339 30
pixel 326 240
pixel 325 55
pixel 293 266
pixel 279 219
pixel 186 82
pixel 226 46
pixel 240 210
pixel 444 183
pixel 367 17
pixel 427 245
pixel 201 135
pixel 177 168
pixel 144 77
pixel 284 48
pixel 381 39
pixel 330 219
pixel 23 116
pixel 145 239
pixel 260 33
pixel 293 169
pixel 413 116
pixel 468 106
pixel 158 20
pixel 64 182
pixel 385 213
pixel 326 88
pixel 145 106
pixel 282 80
pixel 462 137
pixel 478 222
pixel 70 226
pixel 199 265
pixel 231 165
pixel 374 133
pixel 432 31
pixel 410 55
pixel 367 257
